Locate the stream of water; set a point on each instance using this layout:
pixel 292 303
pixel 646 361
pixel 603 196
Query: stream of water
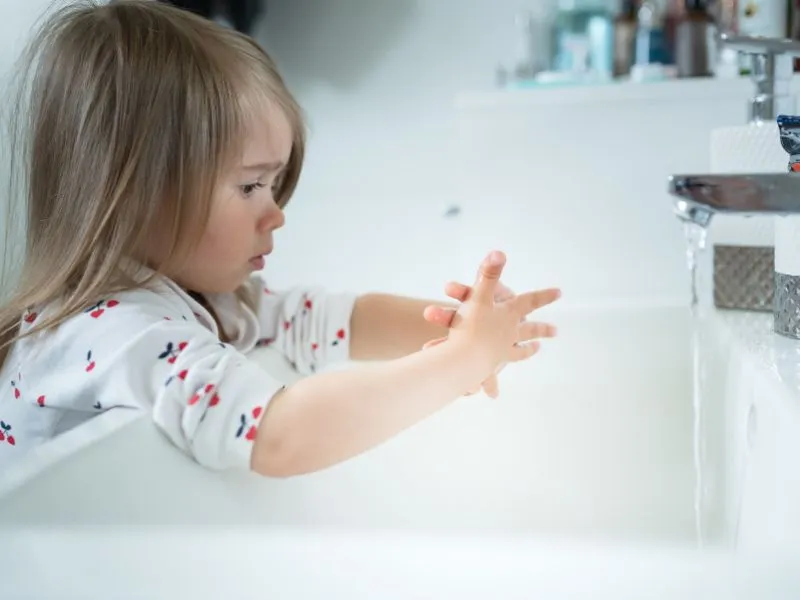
pixel 696 243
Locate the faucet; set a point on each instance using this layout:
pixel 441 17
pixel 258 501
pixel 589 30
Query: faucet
pixel 698 197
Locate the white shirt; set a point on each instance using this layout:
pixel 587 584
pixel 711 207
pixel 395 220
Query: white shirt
pixel 158 350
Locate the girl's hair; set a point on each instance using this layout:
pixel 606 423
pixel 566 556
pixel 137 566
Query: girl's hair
pixel 133 110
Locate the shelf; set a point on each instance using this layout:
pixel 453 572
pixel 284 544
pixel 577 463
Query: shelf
pixel 612 93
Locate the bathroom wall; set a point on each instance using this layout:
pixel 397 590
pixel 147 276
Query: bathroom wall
pixel 378 80
pixel 571 184
pixel 17 20
pixel 389 155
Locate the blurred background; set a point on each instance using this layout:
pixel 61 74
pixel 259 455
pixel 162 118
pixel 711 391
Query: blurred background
pixel 546 128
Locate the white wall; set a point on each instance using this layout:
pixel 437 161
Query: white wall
pixel 389 153
pixel 17 20
pixel 378 81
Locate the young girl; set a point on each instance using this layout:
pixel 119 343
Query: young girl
pixel 162 151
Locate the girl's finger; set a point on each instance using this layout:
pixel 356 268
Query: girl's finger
pixel 457 291
pixel 526 303
pixel 531 330
pixel 488 277
pixel 439 315
pixel 490 387
pixel 523 351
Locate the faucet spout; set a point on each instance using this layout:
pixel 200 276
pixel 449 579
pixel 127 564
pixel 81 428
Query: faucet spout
pixel 699 197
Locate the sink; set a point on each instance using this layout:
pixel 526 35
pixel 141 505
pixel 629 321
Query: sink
pixel 587 459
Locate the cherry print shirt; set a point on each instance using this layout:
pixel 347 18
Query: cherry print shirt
pixel 156 349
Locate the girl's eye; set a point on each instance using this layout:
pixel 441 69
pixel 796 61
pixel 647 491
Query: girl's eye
pixel 248 189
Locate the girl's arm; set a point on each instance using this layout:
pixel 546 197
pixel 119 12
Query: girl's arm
pixel 325 419
pixel 330 417
pixel 385 326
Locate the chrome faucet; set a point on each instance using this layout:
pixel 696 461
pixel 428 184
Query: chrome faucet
pixel 699 197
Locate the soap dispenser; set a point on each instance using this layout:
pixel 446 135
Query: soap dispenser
pixel 787 242
pixel 743 248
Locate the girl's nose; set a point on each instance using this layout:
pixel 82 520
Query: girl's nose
pixel 271 219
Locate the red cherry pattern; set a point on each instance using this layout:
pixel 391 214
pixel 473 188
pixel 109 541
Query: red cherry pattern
pixel 246 427
pixel 340 335
pixel 171 351
pixel 208 389
pixel 5 436
pixel 97 310
pixel 182 375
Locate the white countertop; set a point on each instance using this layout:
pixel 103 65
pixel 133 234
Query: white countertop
pixel 776 358
pixel 268 564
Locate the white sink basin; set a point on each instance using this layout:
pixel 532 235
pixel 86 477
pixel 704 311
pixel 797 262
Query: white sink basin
pixel 587 457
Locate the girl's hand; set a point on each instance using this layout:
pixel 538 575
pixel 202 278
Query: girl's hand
pixel 461 292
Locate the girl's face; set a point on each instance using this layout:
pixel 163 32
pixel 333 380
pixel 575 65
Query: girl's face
pixel 243 212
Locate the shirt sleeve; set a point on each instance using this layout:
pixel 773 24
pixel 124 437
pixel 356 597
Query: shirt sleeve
pixel 206 397
pixel 308 325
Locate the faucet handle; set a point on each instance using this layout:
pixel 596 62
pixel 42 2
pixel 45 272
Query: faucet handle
pixel 771 69
pixel 760 45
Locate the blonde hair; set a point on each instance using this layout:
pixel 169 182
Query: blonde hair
pixel 134 110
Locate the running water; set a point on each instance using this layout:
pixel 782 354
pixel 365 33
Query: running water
pixel 696 243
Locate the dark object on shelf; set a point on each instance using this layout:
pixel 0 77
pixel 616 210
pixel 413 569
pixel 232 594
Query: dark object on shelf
pixel 241 13
pixel 625 38
pixel 694 52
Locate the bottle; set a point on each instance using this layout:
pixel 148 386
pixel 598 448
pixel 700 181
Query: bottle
pixel 649 49
pixel 793 19
pixel 673 14
pixel 695 45
pixel 583 38
pixel 531 50
pixel 625 38
pixel 725 13
pixel 786 304
pixel 655 15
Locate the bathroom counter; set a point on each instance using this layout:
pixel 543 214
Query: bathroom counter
pixel 774 357
pixel 291 565
pixel 761 381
